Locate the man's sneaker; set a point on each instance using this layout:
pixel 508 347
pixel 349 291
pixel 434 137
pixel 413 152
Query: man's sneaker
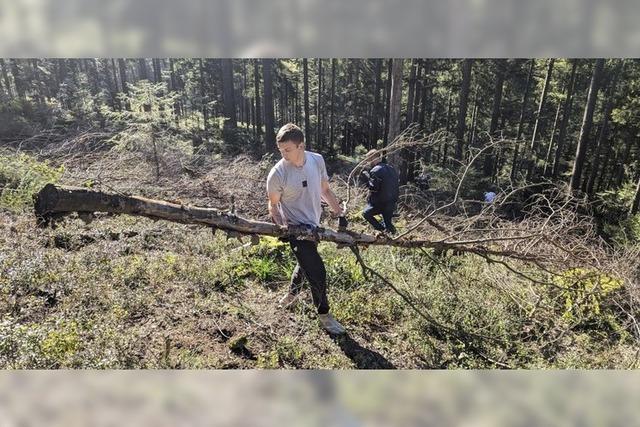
pixel 330 324
pixel 287 300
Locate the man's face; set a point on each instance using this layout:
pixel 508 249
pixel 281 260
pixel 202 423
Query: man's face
pixel 291 151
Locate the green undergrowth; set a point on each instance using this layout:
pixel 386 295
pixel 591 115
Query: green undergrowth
pixel 21 176
pixel 133 293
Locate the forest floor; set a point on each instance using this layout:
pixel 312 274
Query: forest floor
pixel 129 292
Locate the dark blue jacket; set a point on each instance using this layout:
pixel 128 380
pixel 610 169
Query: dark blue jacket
pixel 383 184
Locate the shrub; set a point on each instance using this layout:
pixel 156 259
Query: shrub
pixel 62 343
pixel 611 213
pixel 21 176
pixel 584 292
pixel 233 142
pixel 286 352
pixel 24 118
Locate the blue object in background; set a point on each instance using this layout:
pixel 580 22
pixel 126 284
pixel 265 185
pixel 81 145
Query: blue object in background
pixel 489 196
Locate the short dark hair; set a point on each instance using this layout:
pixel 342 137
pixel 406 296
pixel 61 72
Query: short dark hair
pixel 290 132
pixel 374 155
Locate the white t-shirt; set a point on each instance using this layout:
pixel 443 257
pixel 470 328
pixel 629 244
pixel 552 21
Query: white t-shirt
pixel 300 189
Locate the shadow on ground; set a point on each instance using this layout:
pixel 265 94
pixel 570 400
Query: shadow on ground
pixel 361 356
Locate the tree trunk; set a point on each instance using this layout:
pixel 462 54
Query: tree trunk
pixel 2 92
pixel 91 68
pixel 462 108
pixel 319 108
pixel 566 112
pixel 33 74
pixel 277 100
pixel 288 100
pixel 432 120
pixel 545 89
pixel 603 167
pixel 203 97
pixel 172 76
pixel 173 79
pixel 114 72
pixel 547 158
pixel 122 68
pixel 426 111
pixel 422 113
pixel 283 99
pixel 523 110
pixel 635 205
pixel 375 131
pixel 256 87
pixel 397 159
pixel 501 68
pixel 270 137
pixel 533 147
pixel 59 73
pixel 387 108
pixel 157 70
pixel 412 91
pixel 612 174
pixel 174 88
pixel 246 119
pixel 395 100
pixel 156 159
pixel 415 116
pixel 248 105
pixel 604 127
pixel 142 69
pixel 445 145
pixel 17 79
pixel 253 116
pixel 333 100
pixel 585 129
pixel 123 75
pixel 474 112
pixel 305 83
pixel 228 93
pixel 619 176
pixel 103 75
pixel 495 113
pixel 113 84
pixel 447 124
pixel 5 77
pixel 410 155
pixel 296 116
pixel 279 86
pixel 54 201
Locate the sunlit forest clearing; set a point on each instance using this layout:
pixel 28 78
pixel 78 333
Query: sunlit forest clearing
pixel 545 276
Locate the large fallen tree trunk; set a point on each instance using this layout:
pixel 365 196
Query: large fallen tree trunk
pixel 55 201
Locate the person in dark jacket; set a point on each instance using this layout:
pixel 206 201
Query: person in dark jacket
pixel 383 184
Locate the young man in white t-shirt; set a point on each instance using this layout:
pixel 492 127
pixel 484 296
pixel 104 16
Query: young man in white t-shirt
pixel 295 186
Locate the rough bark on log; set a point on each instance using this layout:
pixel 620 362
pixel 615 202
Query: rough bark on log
pixel 55 201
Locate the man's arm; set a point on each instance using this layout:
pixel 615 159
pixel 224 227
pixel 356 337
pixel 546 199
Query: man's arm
pixel 331 199
pixel 274 212
pixel 375 179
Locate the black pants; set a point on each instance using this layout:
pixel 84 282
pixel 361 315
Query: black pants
pixel 384 209
pixel 310 264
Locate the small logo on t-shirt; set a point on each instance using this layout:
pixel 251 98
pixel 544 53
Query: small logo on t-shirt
pixel 304 183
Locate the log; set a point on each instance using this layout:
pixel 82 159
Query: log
pixel 55 201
